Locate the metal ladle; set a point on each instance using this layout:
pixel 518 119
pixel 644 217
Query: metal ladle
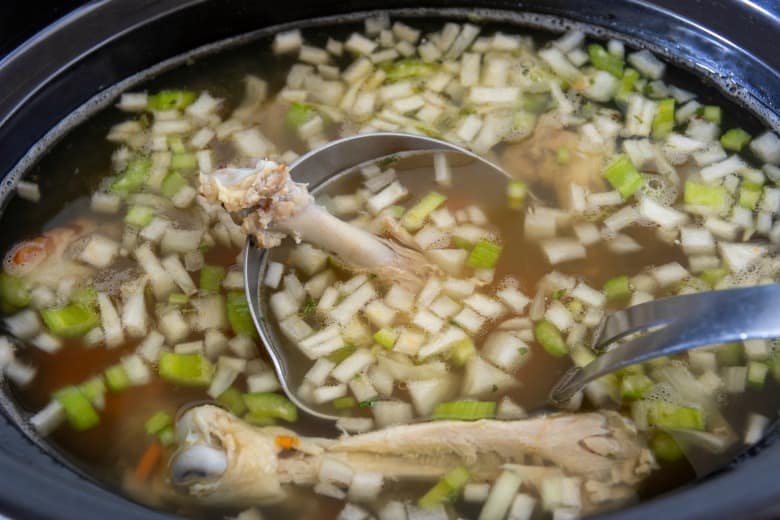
pixel 675 324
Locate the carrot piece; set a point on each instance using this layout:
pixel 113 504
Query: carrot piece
pixel 148 462
pixel 286 442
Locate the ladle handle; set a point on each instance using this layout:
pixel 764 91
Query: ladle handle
pixel 712 317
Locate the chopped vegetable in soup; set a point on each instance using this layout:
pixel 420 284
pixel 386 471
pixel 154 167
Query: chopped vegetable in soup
pixel 429 307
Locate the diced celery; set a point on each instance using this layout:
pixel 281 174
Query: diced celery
pixel 14 292
pixel 178 299
pixel 516 194
pixel 729 354
pixel 232 400
pixel 176 144
pixel 407 68
pixel 663 122
pixel 139 216
pixel 133 177
pixel 238 314
pixel 603 60
pixel 735 139
pixel 549 337
pixel 298 114
pixel 756 375
pixel 345 402
pixel 71 321
pixel 535 103
pixel 157 422
pixel 308 308
pixel 386 337
pixel 462 243
pixel 623 176
pixel 211 277
pixel 667 415
pixel 665 447
pixel 78 409
pixel 185 369
pixel 184 161
pixel 712 276
pixel 271 405
pixel 397 211
pixel 617 288
pixel 462 351
pixel 711 113
pixel 172 183
pixel 634 386
pixel 116 378
pixel 415 217
pixel 445 490
pixel 562 156
pixel 484 255
pixel 84 296
pixel 339 355
pixel 697 194
pixel 171 99
pixel 93 388
pixel 749 195
pixel 258 419
pixel 167 436
pixel 627 83
pixel 464 410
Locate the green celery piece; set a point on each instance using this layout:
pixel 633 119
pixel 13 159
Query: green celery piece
pixel 536 103
pixel 397 211
pixel 445 490
pixel 271 405
pixel 14 292
pixel 462 351
pixel 711 113
pixel 176 144
pixel 167 436
pixel 93 388
pixel 663 122
pixel 258 419
pixel 211 277
pixel 603 60
pixel 171 100
pixel 116 378
pixel 133 177
pixel 85 296
pixel 342 403
pixel 71 321
pixel 749 196
pixel 408 68
pixel 172 183
pixel 634 386
pixel 665 447
pixel 729 354
pixel 157 422
pixel 484 255
pixel 756 375
pixel 516 194
pixel 712 276
pixel 462 243
pixel 697 194
pixel 415 217
pixel 238 314
pixel 386 337
pixel 184 161
pixel 623 176
pixel 667 415
pixel 232 400
pixel 178 299
pixel 562 156
pixel 339 355
pixel 78 409
pixel 139 216
pixel 464 410
pixel 185 369
pixel 735 139
pixel 549 337
pixel 298 114
pixel 617 288
pixel 627 84
pixel 308 308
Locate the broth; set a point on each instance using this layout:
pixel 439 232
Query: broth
pixel 110 450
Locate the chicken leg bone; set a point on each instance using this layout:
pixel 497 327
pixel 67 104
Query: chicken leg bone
pixel 223 460
pixel 271 206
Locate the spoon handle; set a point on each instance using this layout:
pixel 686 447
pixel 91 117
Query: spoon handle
pixel 704 319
